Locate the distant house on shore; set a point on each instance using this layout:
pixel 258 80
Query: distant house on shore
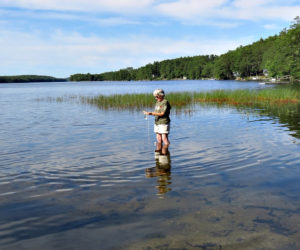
pixel 236 74
pixel 265 72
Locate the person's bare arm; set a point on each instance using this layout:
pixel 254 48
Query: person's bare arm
pixel 154 113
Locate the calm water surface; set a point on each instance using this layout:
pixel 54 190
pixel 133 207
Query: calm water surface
pixel 73 176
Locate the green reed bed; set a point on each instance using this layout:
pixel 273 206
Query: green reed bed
pixel 125 101
pixel 233 97
pixel 237 97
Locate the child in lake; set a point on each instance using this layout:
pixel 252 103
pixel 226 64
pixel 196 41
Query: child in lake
pixel 162 118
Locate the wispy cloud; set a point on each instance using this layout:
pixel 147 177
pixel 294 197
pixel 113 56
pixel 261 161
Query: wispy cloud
pixel 80 5
pixel 63 37
pixel 189 9
pixel 199 12
pixel 271 27
pixel 68 16
pixel 73 52
pixel 260 12
pixel 195 11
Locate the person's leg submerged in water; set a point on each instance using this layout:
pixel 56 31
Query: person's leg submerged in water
pixel 165 139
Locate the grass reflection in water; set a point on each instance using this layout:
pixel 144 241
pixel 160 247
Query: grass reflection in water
pixel 281 103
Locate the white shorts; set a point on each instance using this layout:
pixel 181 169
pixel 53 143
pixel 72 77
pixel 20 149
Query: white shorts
pixel 162 128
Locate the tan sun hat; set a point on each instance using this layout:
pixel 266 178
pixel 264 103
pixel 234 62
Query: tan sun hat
pixel 159 92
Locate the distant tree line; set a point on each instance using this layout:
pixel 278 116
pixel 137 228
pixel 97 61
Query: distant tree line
pixel 190 67
pixel 276 56
pixel 29 78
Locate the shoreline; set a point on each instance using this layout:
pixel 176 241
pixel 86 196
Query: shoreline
pixel 247 79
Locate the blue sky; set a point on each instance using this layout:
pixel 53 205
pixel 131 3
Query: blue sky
pixel 64 37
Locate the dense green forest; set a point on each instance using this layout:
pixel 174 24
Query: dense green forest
pixel 29 78
pixel 275 56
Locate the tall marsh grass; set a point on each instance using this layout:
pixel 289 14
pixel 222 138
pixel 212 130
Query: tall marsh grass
pixel 177 100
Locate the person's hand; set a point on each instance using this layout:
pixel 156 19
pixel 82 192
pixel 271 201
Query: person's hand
pixel 145 112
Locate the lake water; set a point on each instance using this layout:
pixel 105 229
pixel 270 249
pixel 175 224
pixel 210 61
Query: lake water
pixel 73 176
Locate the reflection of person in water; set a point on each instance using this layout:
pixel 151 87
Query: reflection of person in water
pixel 162 170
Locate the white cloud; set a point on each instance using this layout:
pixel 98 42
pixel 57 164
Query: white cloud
pixel 113 21
pixel 81 17
pixel 79 5
pixel 271 27
pixel 189 9
pixel 63 54
pixel 259 12
pixel 199 12
pixel 244 4
pixel 287 13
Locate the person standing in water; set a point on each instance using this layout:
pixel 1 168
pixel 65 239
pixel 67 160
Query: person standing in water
pixel 162 118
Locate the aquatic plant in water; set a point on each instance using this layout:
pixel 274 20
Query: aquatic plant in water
pixel 180 99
